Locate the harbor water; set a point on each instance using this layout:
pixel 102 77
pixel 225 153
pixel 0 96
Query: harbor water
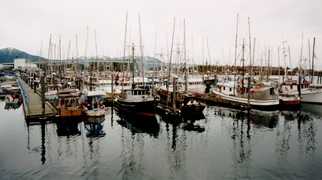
pixel 226 144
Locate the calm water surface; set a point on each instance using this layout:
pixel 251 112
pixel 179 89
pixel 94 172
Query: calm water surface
pixel 227 144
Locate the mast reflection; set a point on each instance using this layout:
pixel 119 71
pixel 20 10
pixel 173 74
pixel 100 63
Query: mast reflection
pixel 149 126
pixel 306 132
pixel 67 127
pixel 43 151
pixel 176 146
pixel 132 152
pixel 94 127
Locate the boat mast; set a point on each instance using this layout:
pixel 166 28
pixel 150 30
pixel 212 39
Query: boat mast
pixel 309 59
pixel 313 56
pixel 124 51
pixel 235 60
pixel 50 50
pixel 96 54
pixel 154 64
pixel 268 63
pixel 133 65
pixel 208 57
pixel 68 50
pixel 185 57
pixel 86 42
pixel 243 61
pixel 253 58
pixel 301 56
pixel 285 64
pixel 141 49
pixel 289 56
pixel 60 59
pixel 170 58
pixel 279 63
pixel 76 55
pixel 250 65
pixel 250 48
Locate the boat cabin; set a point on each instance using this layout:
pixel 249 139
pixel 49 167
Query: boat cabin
pixel 68 104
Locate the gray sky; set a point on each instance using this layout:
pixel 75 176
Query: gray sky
pixel 27 23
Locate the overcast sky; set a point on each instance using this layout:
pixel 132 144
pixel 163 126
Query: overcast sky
pixel 26 24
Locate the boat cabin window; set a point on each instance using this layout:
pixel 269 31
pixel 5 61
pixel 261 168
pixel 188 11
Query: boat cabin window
pixel 137 92
pixel 230 89
pixel 271 91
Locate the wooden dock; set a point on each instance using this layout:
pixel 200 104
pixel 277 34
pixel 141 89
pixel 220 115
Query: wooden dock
pixel 32 104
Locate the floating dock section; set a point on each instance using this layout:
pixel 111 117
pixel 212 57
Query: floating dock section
pixel 32 104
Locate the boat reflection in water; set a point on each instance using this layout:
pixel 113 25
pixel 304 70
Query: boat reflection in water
pixel 258 118
pixel 67 127
pixel 314 109
pixel 254 145
pixel 94 126
pixel 287 132
pixel 148 125
pixel 43 140
pixel 193 123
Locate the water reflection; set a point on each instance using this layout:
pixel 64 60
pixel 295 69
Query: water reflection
pixel 287 125
pixel 68 127
pixel 314 109
pixel 307 131
pixel 43 147
pixel 241 135
pixel 42 143
pixel 243 145
pixel 176 144
pixel 254 117
pixel 94 127
pixel 149 126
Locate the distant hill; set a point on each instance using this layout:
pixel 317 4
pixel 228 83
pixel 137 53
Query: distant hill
pixel 7 55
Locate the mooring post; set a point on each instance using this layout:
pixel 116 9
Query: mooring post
pixel 42 83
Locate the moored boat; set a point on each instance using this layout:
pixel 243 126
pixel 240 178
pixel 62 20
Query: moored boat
pixel 289 95
pixel 68 104
pixel 93 103
pixel 260 96
pixel 136 102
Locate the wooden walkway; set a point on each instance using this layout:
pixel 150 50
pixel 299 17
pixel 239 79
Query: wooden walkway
pixel 32 103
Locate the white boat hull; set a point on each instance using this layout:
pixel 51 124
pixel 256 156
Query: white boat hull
pixel 261 104
pixel 95 113
pixel 312 96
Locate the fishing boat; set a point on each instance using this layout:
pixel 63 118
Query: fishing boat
pixel 68 103
pixel 93 103
pixel 10 88
pixel 52 91
pixel 259 96
pixel 308 93
pixel 243 91
pixel 174 101
pixel 289 95
pixel 136 101
pixel 178 103
pixel 312 95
